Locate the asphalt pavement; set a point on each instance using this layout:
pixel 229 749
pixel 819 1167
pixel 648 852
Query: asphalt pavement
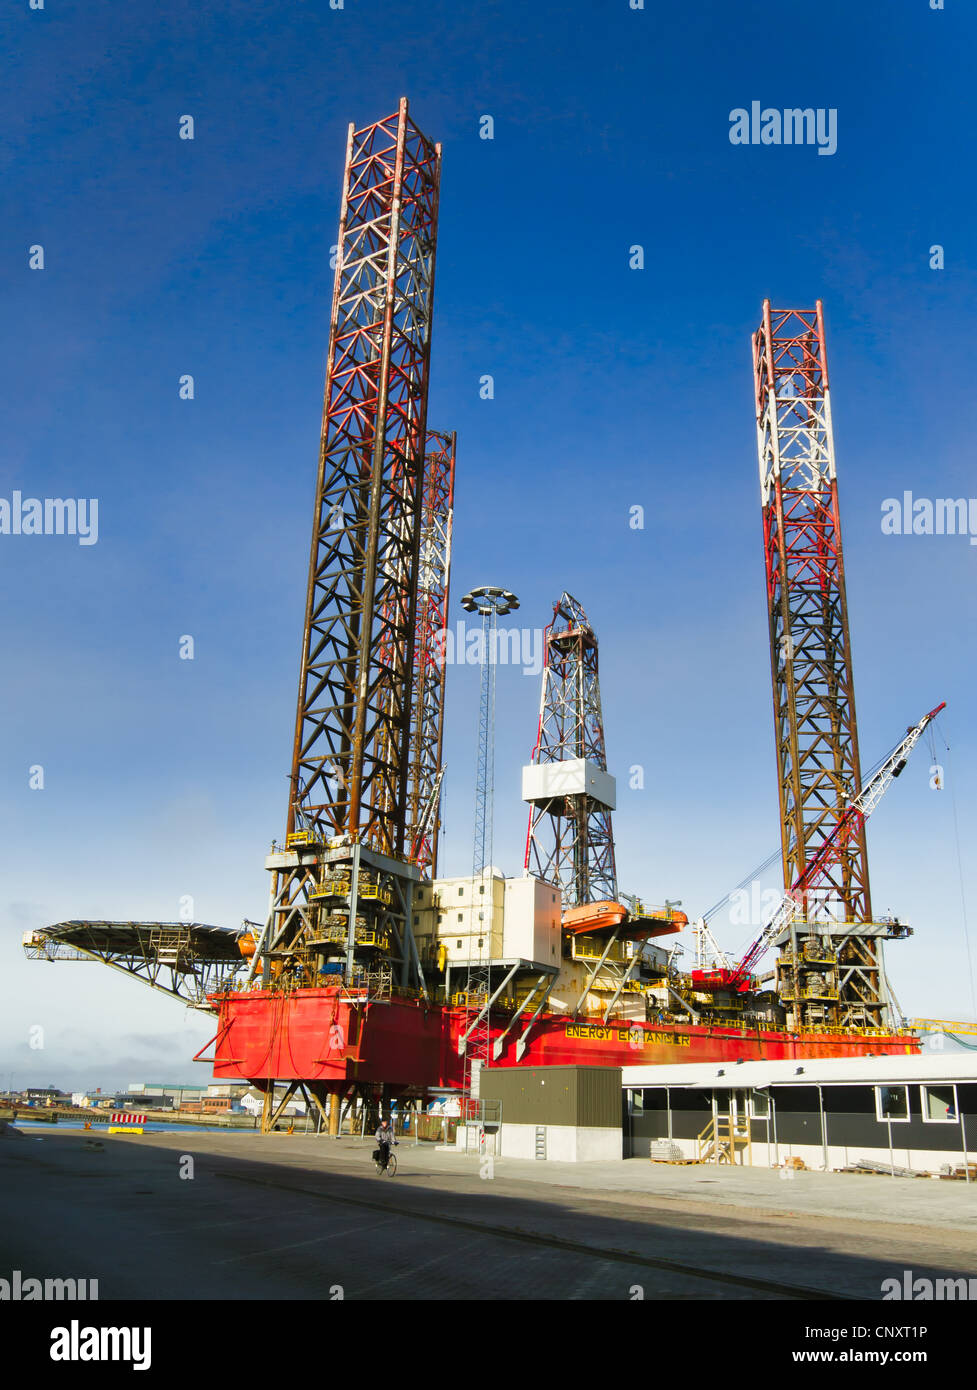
pixel 244 1216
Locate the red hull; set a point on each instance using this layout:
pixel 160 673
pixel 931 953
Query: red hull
pixel 314 1035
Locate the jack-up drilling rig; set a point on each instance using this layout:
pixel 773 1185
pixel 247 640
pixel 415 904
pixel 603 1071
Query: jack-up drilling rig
pixel 351 984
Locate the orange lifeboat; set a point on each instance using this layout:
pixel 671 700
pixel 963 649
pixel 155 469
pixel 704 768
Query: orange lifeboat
pixel 651 921
pixel 593 916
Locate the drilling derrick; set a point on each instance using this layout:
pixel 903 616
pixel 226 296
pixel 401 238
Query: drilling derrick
pixel 341 894
pixel 830 969
pixel 570 841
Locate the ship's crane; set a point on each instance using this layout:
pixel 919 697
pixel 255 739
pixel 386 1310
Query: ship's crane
pixel 795 901
pixel 420 845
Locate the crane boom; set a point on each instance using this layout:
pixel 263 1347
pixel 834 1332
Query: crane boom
pixel 428 815
pixel 794 901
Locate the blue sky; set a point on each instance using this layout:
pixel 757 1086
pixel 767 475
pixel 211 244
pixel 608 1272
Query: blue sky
pixel 613 388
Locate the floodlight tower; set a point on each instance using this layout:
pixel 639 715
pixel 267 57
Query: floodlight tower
pixel 492 603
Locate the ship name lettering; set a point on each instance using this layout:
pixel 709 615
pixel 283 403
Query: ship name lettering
pixel 597 1034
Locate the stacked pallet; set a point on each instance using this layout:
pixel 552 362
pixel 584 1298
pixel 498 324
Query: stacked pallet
pixel 665 1151
pixel 959 1174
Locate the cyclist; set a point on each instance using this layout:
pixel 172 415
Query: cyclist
pixel 384 1137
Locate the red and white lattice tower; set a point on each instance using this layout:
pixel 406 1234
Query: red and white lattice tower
pixel 814 701
pixel 570 841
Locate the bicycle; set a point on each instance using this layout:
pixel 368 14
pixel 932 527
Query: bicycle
pixel 390 1167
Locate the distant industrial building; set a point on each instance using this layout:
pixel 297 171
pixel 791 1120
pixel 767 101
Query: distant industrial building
pixel 138 1100
pixel 44 1095
pixel 211 1098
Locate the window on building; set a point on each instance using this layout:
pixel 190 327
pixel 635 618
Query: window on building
pixel 848 1100
pixel 892 1103
pixel 759 1104
pixel 691 1100
pixel 939 1105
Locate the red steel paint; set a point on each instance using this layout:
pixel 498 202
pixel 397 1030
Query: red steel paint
pixel 316 1035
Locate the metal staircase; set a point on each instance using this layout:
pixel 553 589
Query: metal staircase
pixel 723 1138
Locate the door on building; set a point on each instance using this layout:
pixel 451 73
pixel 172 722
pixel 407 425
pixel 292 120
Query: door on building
pixel 731 1105
pixel 731 1122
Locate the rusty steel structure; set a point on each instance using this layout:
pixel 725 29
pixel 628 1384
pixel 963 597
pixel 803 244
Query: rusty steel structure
pixel 433 584
pixel 352 732
pixel 342 885
pixel 570 841
pixel 810 647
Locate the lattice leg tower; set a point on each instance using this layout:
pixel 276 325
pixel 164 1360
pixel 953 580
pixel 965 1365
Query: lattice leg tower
pixel 810 648
pixel 351 755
